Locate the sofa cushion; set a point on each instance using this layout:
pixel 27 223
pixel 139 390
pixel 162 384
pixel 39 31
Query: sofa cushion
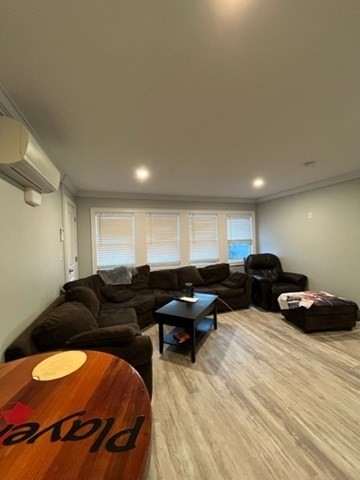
pixel 141 279
pixel 118 295
pixel 142 302
pixel 162 297
pixel 62 323
pixel 189 275
pixel 236 280
pixel 85 296
pixel 116 335
pixel 115 314
pixel 279 288
pixel 94 282
pixel 215 273
pixel 205 289
pixel 164 279
pixel 226 292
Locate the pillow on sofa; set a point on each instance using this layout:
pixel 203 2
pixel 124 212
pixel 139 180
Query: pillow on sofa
pixel 86 296
pixel 141 279
pixel 62 323
pixel 164 280
pixel 236 280
pixel 189 275
pixel 117 295
pixel 215 273
pixel 93 281
pixel 117 276
pixel 106 336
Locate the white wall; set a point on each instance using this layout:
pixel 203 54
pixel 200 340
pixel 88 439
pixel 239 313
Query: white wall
pixel 327 247
pixel 84 204
pixel 31 272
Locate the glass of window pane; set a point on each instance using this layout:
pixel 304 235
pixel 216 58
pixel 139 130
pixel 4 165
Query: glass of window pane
pixel 238 250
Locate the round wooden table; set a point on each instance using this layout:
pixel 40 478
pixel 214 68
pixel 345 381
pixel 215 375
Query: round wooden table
pixel 94 423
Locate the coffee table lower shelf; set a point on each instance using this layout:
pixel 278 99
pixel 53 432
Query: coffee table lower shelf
pixel 201 330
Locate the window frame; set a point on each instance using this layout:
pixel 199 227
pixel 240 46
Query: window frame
pixel 251 241
pixel 184 232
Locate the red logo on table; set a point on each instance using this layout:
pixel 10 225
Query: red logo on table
pixel 18 414
pixel 15 431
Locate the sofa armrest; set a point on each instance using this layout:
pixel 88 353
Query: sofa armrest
pixel 262 279
pixel 297 278
pixel 248 289
pixel 138 353
pixel 105 336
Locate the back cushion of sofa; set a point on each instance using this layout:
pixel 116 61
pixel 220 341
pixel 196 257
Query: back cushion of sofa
pixel 189 275
pixel 115 294
pixel 62 323
pixel 215 273
pixel 94 282
pixel 86 296
pixel 235 280
pixel 142 278
pixel 164 279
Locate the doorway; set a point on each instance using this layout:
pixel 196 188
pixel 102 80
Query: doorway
pixel 70 240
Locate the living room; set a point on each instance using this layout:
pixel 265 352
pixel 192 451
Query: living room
pixel 313 226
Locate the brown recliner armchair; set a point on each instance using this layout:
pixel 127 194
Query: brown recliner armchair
pixel 270 281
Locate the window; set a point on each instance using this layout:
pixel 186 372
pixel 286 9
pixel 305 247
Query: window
pixel 162 239
pixel 114 237
pixel 239 236
pixel 169 237
pixel 203 238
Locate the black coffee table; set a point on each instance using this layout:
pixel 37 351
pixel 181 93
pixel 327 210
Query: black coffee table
pixel 189 317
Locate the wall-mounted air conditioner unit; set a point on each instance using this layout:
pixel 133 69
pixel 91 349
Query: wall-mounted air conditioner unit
pixel 23 160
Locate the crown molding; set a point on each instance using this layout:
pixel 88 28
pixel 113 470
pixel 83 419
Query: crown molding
pixel 177 198
pixel 69 184
pixel 8 108
pixel 312 186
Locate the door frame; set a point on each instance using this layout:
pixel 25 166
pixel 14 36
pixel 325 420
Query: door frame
pixel 66 199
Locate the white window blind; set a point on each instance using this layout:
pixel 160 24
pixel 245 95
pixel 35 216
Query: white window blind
pixel 203 238
pixel 239 236
pixel 162 239
pixel 115 242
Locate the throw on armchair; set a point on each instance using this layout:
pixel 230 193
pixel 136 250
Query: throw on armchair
pixel 270 281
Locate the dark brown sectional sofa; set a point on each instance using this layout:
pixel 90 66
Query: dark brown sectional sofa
pixel 149 290
pixel 92 315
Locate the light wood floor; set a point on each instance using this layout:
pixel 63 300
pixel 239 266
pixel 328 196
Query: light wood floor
pixel 263 401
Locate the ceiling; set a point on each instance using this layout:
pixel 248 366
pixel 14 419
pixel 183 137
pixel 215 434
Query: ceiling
pixel 207 94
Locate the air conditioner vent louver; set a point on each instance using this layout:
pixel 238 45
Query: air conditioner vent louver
pixel 27 177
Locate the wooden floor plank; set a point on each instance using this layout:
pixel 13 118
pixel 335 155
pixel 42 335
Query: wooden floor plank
pixel 263 401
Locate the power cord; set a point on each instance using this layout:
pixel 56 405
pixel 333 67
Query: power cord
pixel 228 306
pixel 318 334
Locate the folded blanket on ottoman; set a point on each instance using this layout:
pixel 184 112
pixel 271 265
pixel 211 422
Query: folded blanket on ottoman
pixel 289 301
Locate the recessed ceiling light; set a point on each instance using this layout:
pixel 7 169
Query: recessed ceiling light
pixel 142 174
pixel 258 183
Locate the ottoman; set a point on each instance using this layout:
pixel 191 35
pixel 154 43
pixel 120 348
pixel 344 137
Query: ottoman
pixel 316 311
